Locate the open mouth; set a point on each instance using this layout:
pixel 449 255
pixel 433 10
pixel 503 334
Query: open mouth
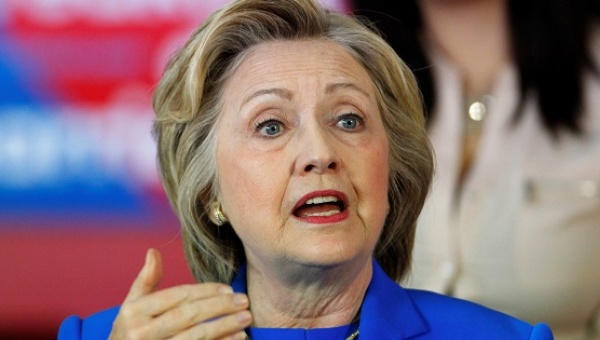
pixel 320 206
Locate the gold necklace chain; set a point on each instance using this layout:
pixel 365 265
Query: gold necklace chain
pixel 352 336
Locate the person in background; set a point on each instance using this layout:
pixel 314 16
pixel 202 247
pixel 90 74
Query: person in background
pixel 293 149
pixel 512 95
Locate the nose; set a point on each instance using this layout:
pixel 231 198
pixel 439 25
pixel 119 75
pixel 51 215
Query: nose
pixel 316 153
pixel 320 167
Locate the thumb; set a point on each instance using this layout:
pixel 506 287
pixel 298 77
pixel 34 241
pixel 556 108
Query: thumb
pixel 149 277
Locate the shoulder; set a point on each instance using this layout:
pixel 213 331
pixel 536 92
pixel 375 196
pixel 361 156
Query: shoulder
pixel 419 314
pixel 95 326
pixel 467 320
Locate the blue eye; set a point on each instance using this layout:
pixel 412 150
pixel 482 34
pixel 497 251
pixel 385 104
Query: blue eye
pixel 350 121
pixel 270 128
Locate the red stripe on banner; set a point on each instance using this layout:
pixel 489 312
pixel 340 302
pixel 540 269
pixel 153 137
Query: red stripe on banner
pixel 48 276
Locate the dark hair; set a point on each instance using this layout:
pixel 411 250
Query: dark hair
pixel 549 47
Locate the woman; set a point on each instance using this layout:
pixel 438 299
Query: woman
pixel 513 91
pixel 292 147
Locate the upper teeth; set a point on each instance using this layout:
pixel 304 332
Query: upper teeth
pixel 322 199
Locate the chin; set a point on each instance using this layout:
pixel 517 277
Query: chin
pixel 325 255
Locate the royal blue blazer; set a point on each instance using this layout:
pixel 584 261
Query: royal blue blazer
pixel 388 312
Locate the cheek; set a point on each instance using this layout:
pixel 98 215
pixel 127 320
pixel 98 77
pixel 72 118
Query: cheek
pixel 252 195
pixel 376 172
pixel 379 178
pixel 371 185
pixel 250 187
pixel 240 182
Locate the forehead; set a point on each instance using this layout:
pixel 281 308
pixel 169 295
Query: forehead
pixel 288 61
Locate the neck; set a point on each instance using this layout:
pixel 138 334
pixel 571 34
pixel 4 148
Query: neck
pixel 473 34
pixel 307 298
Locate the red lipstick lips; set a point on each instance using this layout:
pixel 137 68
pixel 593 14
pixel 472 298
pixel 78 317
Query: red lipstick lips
pixel 322 207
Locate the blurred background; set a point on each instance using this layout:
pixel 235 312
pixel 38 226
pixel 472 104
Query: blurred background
pixel 80 199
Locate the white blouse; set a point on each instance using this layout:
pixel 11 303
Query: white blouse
pixel 523 236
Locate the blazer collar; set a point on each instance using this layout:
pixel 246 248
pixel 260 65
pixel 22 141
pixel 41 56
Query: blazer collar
pixel 387 311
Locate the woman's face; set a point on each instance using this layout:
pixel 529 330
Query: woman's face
pixel 302 155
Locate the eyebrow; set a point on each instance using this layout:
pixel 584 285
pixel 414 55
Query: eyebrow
pixel 283 93
pixel 338 86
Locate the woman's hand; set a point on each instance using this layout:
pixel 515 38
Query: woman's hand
pixel 195 311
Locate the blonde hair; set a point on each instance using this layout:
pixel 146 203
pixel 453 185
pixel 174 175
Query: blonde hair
pixel 188 100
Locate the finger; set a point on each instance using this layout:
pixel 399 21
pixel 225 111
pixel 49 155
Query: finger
pixel 171 298
pixel 200 311
pixel 227 327
pixel 164 300
pixel 139 314
pixel 148 278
